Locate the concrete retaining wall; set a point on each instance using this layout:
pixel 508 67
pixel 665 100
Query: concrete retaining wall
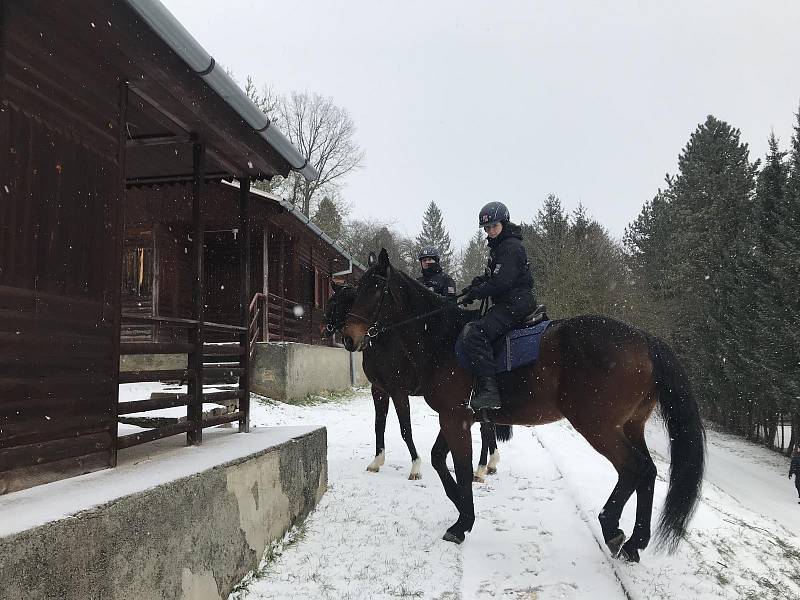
pixel 191 538
pixel 289 371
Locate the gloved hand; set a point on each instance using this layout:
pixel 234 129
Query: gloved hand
pixel 469 295
pixel 476 281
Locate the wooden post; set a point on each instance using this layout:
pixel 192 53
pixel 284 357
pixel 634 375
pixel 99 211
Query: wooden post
pixel 244 301
pixel 194 411
pixel 155 268
pixel 118 226
pixel 281 307
pixel 265 330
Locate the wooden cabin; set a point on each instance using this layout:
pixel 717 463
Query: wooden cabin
pixel 291 263
pixel 103 102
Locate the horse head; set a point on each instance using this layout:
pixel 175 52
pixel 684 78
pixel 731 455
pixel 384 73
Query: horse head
pixel 368 303
pixel 338 306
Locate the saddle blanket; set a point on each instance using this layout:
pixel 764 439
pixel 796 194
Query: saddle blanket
pixel 519 347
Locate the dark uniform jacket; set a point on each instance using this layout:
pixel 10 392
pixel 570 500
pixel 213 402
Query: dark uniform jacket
pixel 438 281
pixel 794 467
pixel 508 280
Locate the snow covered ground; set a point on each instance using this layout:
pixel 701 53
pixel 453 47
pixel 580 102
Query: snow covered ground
pixel 536 534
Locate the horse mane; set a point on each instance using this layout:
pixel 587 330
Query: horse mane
pixel 450 323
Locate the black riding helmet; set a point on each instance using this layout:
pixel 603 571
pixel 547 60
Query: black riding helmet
pixel 429 252
pixel 494 212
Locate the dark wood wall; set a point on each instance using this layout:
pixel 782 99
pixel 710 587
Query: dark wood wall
pixel 58 301
pixel 299 263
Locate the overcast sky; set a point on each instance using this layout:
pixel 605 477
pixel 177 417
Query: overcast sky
pixel 468 102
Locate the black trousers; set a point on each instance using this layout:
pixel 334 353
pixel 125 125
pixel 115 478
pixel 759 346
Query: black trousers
pixel 479 335
pixel 797 483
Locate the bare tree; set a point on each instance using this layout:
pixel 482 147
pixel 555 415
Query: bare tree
pixel 325 135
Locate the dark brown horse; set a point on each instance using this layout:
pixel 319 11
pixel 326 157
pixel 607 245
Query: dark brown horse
pixel 393 378
pixel 602 375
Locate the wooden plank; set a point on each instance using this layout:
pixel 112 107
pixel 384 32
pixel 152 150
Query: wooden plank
pixel 131 348
pixel 134 439
pixel 227 418
pixel 194 412
pixel 136 406
pixel 59 427
pixel 26 477
pixel 211 372
pixel 115 280
pixel 224 327
pixel 172 321
pixel 57 386
pixel 223 350
pixel 223 396
pixel 244 302
pixel 36 454
pixel 165 375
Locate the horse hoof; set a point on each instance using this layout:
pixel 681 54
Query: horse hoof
pixel 372 469
pixel 450 536
pixel 476 479
pixel 415 476
pixel 629 554
pixel 614 543
pixel 491 471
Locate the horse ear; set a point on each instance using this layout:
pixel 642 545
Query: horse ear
pixel 383 258
pixel 372 260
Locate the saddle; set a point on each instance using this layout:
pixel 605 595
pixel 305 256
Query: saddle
pixel 519 347
pixel 537 316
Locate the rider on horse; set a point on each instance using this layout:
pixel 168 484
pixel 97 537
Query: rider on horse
pixel 432 276
pixel 509 284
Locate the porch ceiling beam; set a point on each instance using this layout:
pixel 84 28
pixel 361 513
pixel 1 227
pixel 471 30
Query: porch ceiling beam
pixel 157 140
pixel 182 178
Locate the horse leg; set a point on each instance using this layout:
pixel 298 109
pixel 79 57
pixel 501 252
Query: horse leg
pixel 623 456
pixel 640 536
pixel 455 427
pixel 381 401
pixel 403 409
pixel 480 472
pixel 494 453
pixel 439 453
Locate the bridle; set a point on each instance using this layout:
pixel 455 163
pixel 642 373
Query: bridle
pixel 376 328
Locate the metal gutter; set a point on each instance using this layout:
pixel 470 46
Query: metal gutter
pixel 288 206
pixel 177 37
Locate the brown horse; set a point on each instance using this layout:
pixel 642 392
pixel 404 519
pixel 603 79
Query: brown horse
pixel 393 378
pixel 603 375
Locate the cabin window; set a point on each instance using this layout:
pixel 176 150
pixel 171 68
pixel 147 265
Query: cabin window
pixel 321 289
pixel 137 278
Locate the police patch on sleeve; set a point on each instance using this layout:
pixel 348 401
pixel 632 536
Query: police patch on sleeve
pixel 497 268
pixel 451 290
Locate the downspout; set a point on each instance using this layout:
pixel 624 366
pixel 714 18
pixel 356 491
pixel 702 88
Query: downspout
pixel 347 271
pixel 177 37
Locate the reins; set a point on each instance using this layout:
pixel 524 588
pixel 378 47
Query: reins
pixel 376 329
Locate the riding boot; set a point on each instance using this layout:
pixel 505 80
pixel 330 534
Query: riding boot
pixel 486 394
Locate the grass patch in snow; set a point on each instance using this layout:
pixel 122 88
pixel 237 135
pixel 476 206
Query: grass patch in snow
pixel 296 534
pixel 323 397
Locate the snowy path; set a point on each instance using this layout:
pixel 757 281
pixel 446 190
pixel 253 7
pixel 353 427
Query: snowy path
pixel 754 476
pixel 378 535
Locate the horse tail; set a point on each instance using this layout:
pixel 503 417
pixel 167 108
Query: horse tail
pixel 687 443
pixel 503 432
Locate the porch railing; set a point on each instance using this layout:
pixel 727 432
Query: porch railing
pixel 274 318
pixel 205 361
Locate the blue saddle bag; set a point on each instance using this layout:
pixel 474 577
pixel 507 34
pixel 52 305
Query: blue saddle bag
pixel 519 347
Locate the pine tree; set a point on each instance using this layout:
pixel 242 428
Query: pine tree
pixel 786 273
pixel 708 201
pixel 544 240
pixel 328 219
pixel 433 233
pixel 473 259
